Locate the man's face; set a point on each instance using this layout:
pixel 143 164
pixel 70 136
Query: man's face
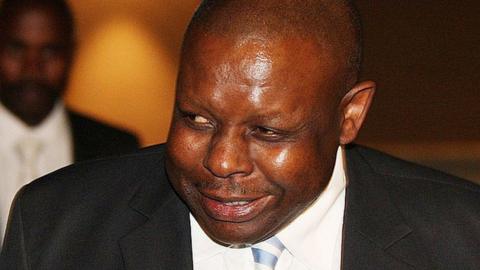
pixel 34 61
pixel 254 134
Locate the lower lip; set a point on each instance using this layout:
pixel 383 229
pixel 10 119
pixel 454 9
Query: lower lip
pixel 228 212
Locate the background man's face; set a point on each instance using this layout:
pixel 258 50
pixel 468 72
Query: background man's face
pixel 254 134
pixel 34 61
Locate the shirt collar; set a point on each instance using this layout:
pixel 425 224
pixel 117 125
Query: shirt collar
pixel 296 235
pixel 203 246
pixel 316 222
pixel 12 128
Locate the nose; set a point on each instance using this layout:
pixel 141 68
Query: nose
pixel 228 156
pixel 32 66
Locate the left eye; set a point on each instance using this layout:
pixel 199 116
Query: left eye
pixel 52 51
pixel 267 134
pixel 266 131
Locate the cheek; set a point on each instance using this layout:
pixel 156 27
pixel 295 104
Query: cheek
pixel 55 71
pixel 186 148
pixel 283 165
pixel 10 68
pixel 296 170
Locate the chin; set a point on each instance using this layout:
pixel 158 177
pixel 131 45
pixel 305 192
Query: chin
pixel 236 234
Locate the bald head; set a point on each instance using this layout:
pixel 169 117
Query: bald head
pixel 332 24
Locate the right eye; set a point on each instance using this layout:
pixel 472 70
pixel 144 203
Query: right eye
pixel 14 49
pixel 197 121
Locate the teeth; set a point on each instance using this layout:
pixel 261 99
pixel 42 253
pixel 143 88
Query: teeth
pixel 236 203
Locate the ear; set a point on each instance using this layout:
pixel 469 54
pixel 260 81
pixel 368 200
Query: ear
pixel 354 106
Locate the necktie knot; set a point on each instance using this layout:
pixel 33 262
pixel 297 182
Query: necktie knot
pixel 266 253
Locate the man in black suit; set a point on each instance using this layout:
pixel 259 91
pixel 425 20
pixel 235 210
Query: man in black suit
pixel 38 134
pixel 37 46
pixel 258 167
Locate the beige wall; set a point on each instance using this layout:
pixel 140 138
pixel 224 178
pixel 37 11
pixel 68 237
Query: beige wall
pixel 126 62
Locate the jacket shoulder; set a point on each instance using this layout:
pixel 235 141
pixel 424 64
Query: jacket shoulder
pixel 81 211
pixel 97 180
pixel 93 138
pixel 408 208
pixel 402 170
pixel 81 120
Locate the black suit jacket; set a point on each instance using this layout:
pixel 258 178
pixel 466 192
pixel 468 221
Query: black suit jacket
pixel 93 139
pixel 122 214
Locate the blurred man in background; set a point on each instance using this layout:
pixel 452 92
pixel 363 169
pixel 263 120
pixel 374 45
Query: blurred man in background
pixel 37 133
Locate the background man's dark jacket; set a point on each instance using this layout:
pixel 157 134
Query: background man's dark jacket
pixel 93 139
pixel 122 214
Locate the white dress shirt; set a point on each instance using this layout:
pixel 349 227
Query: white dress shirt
pixel 313 240
pixel 56 151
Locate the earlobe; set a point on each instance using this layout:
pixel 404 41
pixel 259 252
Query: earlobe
pixel 355 105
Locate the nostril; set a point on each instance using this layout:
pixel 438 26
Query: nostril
pixel 225 163
pixel 220 167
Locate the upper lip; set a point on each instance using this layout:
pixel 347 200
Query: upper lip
pixel 226 198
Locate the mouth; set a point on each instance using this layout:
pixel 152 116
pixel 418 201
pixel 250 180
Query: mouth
pixel 31 94
pixel 234 209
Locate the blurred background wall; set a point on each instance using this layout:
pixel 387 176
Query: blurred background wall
pixel 425 56
pixel 126 62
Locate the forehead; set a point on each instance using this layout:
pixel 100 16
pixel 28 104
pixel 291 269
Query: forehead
pixel 239 48
pixel 36 24
pixel 259 77
pixel 257 61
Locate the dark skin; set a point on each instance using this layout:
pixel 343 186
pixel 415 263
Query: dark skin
pixel 35 58
pixel 255 131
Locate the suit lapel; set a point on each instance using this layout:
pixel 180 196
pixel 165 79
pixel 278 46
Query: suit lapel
pixel 375 234
pixel 164 240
